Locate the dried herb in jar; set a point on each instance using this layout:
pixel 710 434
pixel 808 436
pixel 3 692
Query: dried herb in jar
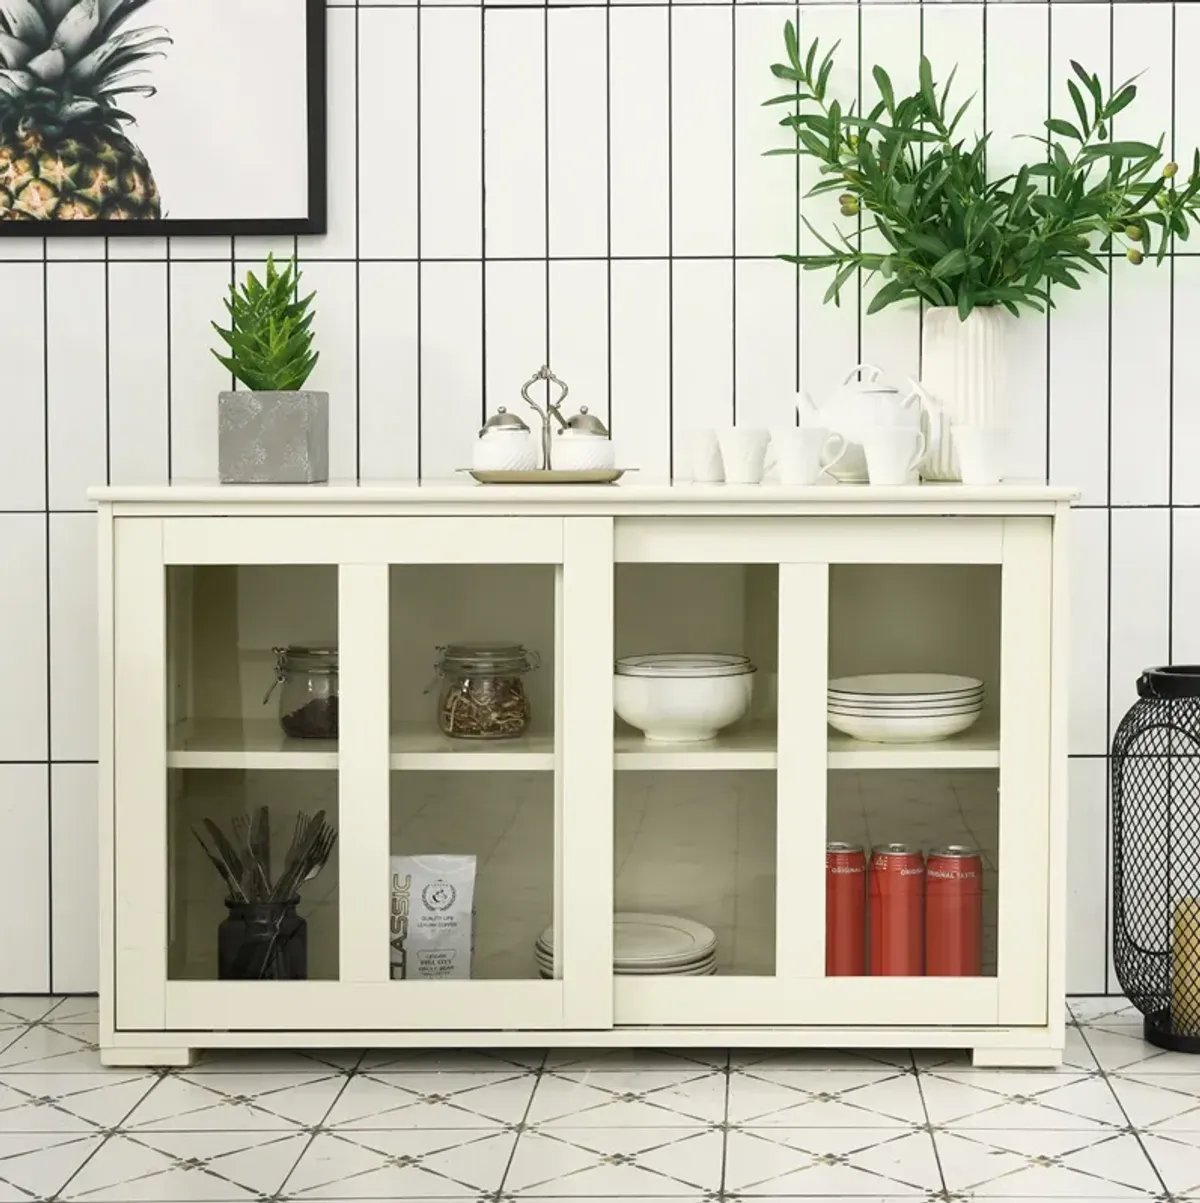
pixel 483 692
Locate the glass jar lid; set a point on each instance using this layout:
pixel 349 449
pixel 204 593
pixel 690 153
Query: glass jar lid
pixel 684 664
pixel 483 658
pixel 297 657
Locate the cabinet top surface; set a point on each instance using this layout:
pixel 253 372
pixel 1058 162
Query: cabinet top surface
pixel 630 495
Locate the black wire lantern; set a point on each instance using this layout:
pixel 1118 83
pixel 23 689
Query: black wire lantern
pixel 1156 855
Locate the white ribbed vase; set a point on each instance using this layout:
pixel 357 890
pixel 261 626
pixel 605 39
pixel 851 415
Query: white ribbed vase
pixel 962 368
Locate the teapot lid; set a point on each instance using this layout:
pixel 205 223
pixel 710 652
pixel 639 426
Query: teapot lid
pixel 586 423
pixel 502 420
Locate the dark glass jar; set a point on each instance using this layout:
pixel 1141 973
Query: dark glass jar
pixel 262 941
pixel 307 678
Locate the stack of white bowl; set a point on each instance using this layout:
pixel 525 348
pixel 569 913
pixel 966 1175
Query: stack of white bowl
pixel 904 708
pixel 648 945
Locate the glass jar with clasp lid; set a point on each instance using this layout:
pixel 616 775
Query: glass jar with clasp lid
pixel 307 680
pixel 482 693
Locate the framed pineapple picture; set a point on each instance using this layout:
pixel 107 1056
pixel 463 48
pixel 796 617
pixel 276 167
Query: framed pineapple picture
pixel 162 117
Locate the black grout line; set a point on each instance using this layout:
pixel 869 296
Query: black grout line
pixel 483 255
pixel 358 92
pixel 670 244
pixel 47 582
pixel 608 255
pixel 420 365
pixel 547 358
pixel 1108 850
pixel 733 238
pixel 1171 380
pixel 522 1124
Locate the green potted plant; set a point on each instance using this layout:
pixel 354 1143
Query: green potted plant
pixel 928 223
pixel 274 431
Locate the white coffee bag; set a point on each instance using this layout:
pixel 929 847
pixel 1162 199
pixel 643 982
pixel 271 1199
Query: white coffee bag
pixel 432 917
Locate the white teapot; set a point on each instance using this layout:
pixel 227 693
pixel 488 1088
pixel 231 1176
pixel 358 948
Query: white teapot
pixel 861 404
pixel 504 445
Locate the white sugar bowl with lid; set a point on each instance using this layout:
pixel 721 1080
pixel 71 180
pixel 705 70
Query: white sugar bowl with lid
pixel 505 444
pixel 583 445
pixel 682 698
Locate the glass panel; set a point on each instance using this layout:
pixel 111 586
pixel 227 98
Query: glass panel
pixel 699 846
pixel 695 796
pixel 914 767
pixel 472 658
pixel 472 873
pixel 915 912
pixel 473 742
pixel 224 626
pixel 208 938
pixel 252 784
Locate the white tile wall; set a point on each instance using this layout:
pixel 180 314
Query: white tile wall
pixel 585 182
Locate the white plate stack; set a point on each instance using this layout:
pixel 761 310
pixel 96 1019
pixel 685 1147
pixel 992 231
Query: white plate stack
pixel 648 945
pixel 904 708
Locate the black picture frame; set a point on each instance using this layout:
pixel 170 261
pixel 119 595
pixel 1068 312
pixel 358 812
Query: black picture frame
pixel 316 220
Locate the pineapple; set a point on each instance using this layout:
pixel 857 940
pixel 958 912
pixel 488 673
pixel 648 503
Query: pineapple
pixel 64 155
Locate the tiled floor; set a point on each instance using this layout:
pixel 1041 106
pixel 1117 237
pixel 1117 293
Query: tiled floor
pixel 1120 1120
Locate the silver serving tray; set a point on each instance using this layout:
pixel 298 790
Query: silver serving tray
pixel 548 476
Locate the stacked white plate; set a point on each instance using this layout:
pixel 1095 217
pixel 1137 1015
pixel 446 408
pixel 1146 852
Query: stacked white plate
pixel 648 945
pixel 904 708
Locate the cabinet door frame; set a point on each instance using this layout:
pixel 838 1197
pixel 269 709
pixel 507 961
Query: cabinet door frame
pixel 799 993
pixel 144 998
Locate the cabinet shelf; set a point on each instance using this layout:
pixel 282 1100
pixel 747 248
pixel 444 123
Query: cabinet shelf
pixel 259 744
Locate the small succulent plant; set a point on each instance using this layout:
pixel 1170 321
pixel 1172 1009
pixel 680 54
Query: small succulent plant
pixel 270 331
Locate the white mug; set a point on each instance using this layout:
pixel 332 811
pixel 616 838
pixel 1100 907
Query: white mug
pixel 978 451
pixel 702 457
pixel 743 454
pixel 893 453
pixel 799 450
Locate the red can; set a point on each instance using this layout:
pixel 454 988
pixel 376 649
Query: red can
pixel 845 910
pixel 896 885
pixel 954 912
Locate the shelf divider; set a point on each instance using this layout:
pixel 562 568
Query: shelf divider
pixel 801 777
pixel 364 774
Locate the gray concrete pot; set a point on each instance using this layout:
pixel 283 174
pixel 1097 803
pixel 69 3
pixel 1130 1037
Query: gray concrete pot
pixel 273 438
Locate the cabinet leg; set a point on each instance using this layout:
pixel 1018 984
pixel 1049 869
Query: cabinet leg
pixel 1016 1058
pixel 150 1058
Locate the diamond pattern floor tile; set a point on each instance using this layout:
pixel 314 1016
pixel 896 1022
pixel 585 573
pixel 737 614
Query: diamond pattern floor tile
pixel 436 1060
pixel 401 1165
pixel 645 1098
pixel 1000 1099
pixel 187 1167
pixel 42 1049
pixel 1160 1102
pixel 615 1161
pixel 833 1161
pixel 25 1008
pixel 1119 1120
pixel 38 1165
pixel 70 1102
pixel 1018 1163
pixel 460 1100
pixel 795 1098
pixel 237 1102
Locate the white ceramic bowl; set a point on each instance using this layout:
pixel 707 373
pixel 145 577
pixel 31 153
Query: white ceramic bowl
pixel 901 730
pixel 687 709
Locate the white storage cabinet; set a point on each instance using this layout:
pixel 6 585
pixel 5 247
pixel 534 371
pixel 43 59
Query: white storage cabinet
pixel 580 817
